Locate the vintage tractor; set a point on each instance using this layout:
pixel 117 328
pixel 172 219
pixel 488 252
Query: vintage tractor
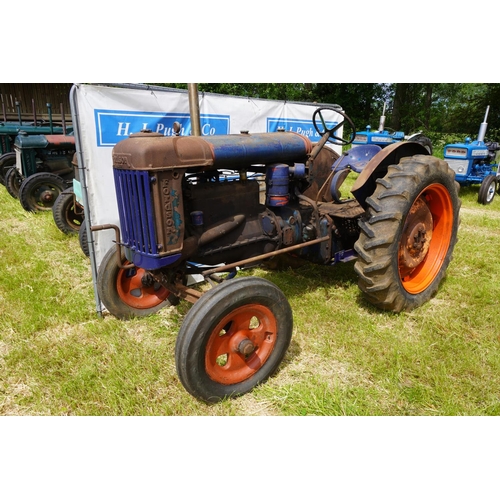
pixel 10 130
pixel 67 210
pixel 43 169
pixel 382 137
pixel 474 162
pixel 176 214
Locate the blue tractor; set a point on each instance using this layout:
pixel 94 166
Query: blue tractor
pixel 382 137
pixel 474 162
pixel 175 209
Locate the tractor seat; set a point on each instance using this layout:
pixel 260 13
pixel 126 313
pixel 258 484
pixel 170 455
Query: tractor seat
pixel 355 159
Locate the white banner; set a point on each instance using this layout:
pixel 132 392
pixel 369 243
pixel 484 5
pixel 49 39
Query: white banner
pixel 104 115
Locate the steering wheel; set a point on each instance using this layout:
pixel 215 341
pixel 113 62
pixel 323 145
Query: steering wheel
pixel 339 141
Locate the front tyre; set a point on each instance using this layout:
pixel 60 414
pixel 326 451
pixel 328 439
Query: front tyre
pixel 39 191
pixel 233 338
pixel 128 293
pixel 408 236
pixel 487 190
pixel 7 161
pixel 68 216
pixel 13 181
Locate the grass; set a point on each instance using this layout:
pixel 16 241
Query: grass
pixel 57 357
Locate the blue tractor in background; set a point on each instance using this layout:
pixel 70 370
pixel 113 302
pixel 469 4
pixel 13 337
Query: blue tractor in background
pixel 474 162
pixel 382 137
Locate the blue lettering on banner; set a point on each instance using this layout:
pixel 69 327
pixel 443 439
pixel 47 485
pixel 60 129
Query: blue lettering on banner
pixel 302 127
pixel 114 126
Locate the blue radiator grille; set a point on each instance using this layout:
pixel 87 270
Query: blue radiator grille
pixel 135 208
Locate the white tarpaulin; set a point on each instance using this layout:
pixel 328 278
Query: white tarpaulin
pixel 104 114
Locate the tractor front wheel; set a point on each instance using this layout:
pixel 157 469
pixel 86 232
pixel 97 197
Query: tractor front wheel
pixel 67 215
pixel 7 161
pixel 487 190
pixel 408 236
pixel 131 292
pixel 38 192
pixel 13 181
pixel 233 338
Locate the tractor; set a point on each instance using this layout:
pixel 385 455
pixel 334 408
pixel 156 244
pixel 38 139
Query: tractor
pixel 383 137
pixel 67 210
pixel 10 130
pixel 42 171
pixel 178 218
pixel 474 162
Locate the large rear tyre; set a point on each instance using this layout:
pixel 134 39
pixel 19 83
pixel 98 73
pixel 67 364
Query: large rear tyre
pixel 408 236
pixel 39 191
pixel 13 181
pixel 128 293
pixel 233 338
pixel 487 190
pixel 68 216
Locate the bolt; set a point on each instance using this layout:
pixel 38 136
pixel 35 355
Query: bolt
pixel 246 347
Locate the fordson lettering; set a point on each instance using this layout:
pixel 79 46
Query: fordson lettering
pixel 167 206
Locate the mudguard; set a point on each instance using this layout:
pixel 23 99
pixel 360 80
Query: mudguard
pixel 376 168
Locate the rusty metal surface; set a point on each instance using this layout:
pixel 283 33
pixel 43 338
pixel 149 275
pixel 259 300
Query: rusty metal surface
pixel 264 256
pixel 320 170
pixel 152 151
pixel 416 237
pixel 61 141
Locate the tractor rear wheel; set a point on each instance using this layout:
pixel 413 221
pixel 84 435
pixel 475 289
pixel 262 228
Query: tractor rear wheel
pixel 7 160
pixel 409 233
pixel 487 190
pixel 13 181
pixel 39 191
pixel 128 293
pixel 233 338
pixel 67 215
pixel 424 141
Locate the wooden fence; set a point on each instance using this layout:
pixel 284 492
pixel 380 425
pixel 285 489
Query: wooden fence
pixel 33 99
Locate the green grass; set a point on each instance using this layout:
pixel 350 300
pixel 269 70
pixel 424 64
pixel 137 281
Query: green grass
pixel 57 357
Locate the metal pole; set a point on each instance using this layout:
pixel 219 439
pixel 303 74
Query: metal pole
pixel 194 108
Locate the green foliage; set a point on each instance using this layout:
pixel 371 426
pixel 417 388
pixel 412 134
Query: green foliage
pixel 457 108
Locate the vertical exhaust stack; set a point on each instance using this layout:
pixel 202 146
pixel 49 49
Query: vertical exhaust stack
pixel 18 106
pixel 63 119
pixel 482 129
pixel 382 121
pixel 49 108
pixel 194 109
pixel 3 111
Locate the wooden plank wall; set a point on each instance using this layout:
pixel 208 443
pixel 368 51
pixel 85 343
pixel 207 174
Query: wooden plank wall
pixel 40 94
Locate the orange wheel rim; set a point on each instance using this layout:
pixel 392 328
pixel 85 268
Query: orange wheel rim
pixel 135 293
pixel 240 344
pixel 426 238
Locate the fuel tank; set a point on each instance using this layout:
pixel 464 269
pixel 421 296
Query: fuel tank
pixel 152 151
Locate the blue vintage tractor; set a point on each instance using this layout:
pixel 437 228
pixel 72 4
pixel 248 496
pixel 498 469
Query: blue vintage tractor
pixel 474 162
pixel 68 209
pixel 382 137
pixel 175 210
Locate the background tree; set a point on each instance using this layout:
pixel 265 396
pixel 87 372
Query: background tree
pixel 453 108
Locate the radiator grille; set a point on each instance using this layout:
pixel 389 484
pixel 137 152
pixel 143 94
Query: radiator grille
pixel 135 208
